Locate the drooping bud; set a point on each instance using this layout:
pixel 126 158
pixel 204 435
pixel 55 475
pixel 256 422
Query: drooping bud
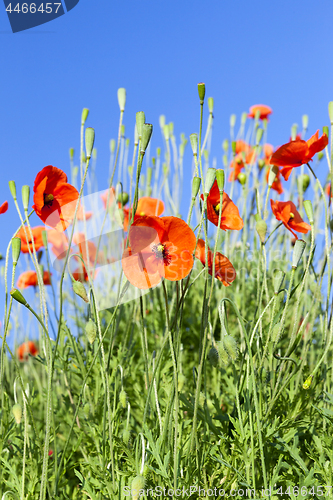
pixel 210 178
pixel 12 188
pixel 241 178
pixel 17 295
pixel 223 355
pixel 137 485
pixel 308 210
pixel 84 116
pixel 273 171
pixel 90 139
pixel 210 102
pixel 123 398
pixel 261 228
pixel 213 356
pixel 71 154
pixel 91 331
pixel 308 381
pixel 140 120
pixel 194 143
pixel 25 196
pixel 80 290
pixel 220 179
pixel 121 94
pixel 230 345
pixel 147 130
pixel 298 252
pixel 17 412
pixel 305 122
pixel 16 249
pixel 123 198
pixel 201 92
pixel 195 186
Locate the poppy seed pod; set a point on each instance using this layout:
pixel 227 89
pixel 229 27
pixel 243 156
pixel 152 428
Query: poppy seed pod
pixel 210 179
pixel 305 122
pixel 325 130
pixel 195 187
pixel 213 356
pixel 147 130
pixel 210 102
pixel 261 228
pixel 90 139
pixel 121 94
pixel 298 252
pixel 16 249
pixel 220 179
pixel 201 92
pixel 303 182
pixel 272 174
pixel 259 135
pixel 17 295
pixel 194 143
pixel 17 412
pixel 330 111
pixel 25 196
pixel 137 485
pixel 12 188
pixel 84 116
pixel 123 398
pixel 241 178
pixel 91 331
pixel 71 154
pixel 308 382
pixel 80 290
pixel 308 210
pixel 140 120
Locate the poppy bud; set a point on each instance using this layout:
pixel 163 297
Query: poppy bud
pixel 223 355
pixel 261 163
pixel 140 120
pixel 80 290
pixel 71 154
pixel 123 198
pixel 330 111
pixel 201 92
pixel 241 178
pixel 320 155
pixel 126 436
pixel 230 345
pixel 225 145
pixel 220 179
pixel 25 196
pixel 278 278
pixel 305 122
pixel 232 122
pixel 147 130
pixel 308 210
pixel 121 94
pixel 195 186
pixel 261 228
pixel 12 187
pixel 112 146
pixel 90 139
pixel 123 398
pixel 294 131
pixel 272 174
pixel 213 356
pixel 17 295
pixel 137 485
pixel 210 104
pixel 259 135
pixel 194 143
pixel 16 249
pixel 308 381
pixel 84 116
pixel 298 252
pixel 303 182
pixel 325 130
pixel 17 412
pixel 91 330
pixel 210 178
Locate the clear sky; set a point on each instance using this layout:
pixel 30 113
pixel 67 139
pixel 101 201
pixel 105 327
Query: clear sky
pixel 277 53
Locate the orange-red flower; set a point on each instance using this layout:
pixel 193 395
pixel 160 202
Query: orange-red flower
pixel 29 278
pixel 160 247
pixel 146 206
pixel 286 212
pixel 246 156
pixel 54 199
pixel 4 207
pixel 58 241
pixel 265 111
pixel 224 270
pixel 296 153
pixel 25 349
pixel 277 186
pixel 230 215
pixel 328 190
pixel 37 236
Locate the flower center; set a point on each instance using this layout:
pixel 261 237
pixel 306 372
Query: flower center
pixel 142 213
pixel 48 199
pixel 161 252
pixel 217 208
pixel 292 216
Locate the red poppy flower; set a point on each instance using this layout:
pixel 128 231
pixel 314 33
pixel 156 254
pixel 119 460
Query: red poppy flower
pixel 79 239
pixel 58 241
pixel 37 236
pixel 25 349
pixel 224 270
pixel 4 207
pixel 236 166
pixel 328 190
pixel 230 215
pixel 54 199
pixel 160 247
pixel 146 206
pixel 265 111
pixel 286 212
pixel 296 153
pixel 29 278
pixel 277 186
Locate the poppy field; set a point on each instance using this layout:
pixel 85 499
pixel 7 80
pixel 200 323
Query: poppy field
pixel 156 344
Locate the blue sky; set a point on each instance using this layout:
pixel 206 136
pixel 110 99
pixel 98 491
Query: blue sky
pixel 246 52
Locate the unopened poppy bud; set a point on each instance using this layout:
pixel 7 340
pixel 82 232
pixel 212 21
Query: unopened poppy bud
pixel 298 252
pixel 223 355
pixel 259 135
pixel 71 154
pixel 232 121
pixel 194 143
pixel 210 102
pixel 220 178
pixel 261 163
pixel 272 174
pixel 225 145
pixel 230 345
pixel 201 91
pixel 213 356
pixel 137 485
pixel 123 398
pixel 195 186
pixel 12 188
pixel 90 139
pixel 320 155
pixel 243 118
pixel 91 330
pixel 147 130
pixel 233 146
pixel 330 111
pixel 308 210
pixel 210 178
pixel 325 130
pixel 123 198
pixel 112 146
pixel 140 120
pixel 84 116
pixel 261 228
pixel 126 436
pixel 17 295
pixel 308 382
pixel 303 182
pixel 305 122
pixel 121 94
pixel 80 290
pixel 16 249
pixel 241 178
pixel 17 412
pixel 25 196
pixel 278 278
pixel 181 381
